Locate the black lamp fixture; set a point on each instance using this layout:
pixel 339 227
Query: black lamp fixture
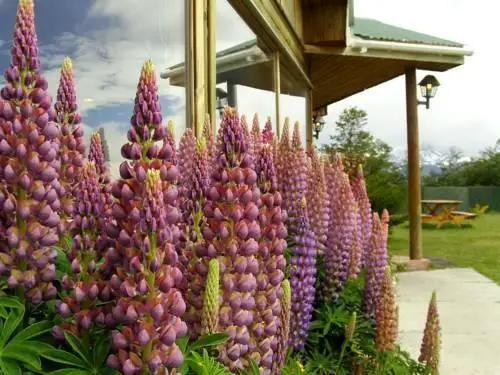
pixel 318 125
pixel 428 89
pixel 221 97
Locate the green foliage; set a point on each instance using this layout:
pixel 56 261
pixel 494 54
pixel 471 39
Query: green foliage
pixel 481 171
pixel 384 178
pixel 204 363
pixel 80 359
pixel 329 351
pixel 19 352
pixel 479 210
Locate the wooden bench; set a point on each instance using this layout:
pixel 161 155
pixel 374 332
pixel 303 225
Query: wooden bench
pixel 465 215
pixel 426 217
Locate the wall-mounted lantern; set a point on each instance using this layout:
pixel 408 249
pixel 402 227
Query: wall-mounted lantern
pixel 318 125
pixel 428 89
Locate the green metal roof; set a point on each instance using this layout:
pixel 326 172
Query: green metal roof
pixel 367 28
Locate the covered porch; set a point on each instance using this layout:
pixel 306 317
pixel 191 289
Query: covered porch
pixel 336 56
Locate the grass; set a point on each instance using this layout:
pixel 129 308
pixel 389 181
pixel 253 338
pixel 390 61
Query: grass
pixel 476 245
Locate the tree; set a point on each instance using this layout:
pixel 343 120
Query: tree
pixel 385 181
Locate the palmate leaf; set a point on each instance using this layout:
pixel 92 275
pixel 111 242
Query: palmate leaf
pixel 77 345
pixel 65 358
pixel 9 367
pixel 209 340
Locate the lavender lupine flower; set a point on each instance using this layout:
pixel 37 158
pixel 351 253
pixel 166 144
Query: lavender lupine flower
pixel 29 168
pixel 254 138
pixel 365 210
pixel 431 342
pixel 170 138
pixel 245 128
pixel 232 233
pixel 302 280
pixel 384 220
pixel 386 326
pixel 272 262
pixel 283 329
pixel 267 133
pixel 187 147
pixel 149 305
pixel 195 256
pixel 318 198
pixel 375 269
pixel 341 232
pixel 355 254
pixel 82 307
pixel 97 156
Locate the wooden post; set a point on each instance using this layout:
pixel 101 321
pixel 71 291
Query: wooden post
pixel 309 120
pixel 211 61
pixel 277 90
pixel 196 100
pixel 232 96
pixel 414 205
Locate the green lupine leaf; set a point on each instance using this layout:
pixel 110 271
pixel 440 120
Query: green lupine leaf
pixel 64 357
pixel 9 367
pixel 210 340
pixel 32 331
pixel 77 345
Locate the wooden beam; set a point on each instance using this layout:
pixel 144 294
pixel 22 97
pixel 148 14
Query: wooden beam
pixel 326 21
pixel 309 120
pixel 196 107
pixel 277 91
pixel 269 23
pixel 433 62
pixel 232 95
pixel 414 193
pixel 211 60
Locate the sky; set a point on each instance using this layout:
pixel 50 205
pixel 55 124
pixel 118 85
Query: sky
pixel 108 41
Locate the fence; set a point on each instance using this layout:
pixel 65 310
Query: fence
pixel 470 196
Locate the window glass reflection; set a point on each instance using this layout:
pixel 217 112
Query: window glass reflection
pixel 108 41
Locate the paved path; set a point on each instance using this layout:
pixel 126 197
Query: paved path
pixel 469 308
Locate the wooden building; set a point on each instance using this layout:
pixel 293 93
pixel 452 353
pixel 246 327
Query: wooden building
pixel 337 55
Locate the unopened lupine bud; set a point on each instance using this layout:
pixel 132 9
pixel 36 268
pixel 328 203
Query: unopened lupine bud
pixel 267 132
pixel 97 155
pixel 431 342
pixel 351 327
pixel 210 315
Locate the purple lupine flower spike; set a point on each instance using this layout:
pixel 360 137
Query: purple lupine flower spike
pixel 82 308
pixel 267 132
pixel 341 232
pixel 149 304
pixel 29 168
pixel 272 263
pixel 254 138
pixel 208 134
pixel 232 233
pixel 318 198
pixel 365 210
pixel 375 268
pixel 302 280
pixel 97 156
pixel 195 255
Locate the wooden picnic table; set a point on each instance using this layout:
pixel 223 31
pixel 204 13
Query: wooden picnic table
pixel 442 210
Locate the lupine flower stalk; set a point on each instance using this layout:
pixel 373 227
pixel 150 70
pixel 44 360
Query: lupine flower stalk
pixel 208 134
pixel 149 304
pixel 195 255
pixel 267 133
pixel 29 168
pixel 283 329
pixel 97 156
pixel 386 323
pixel 232 234
pixel 317 196
pixel 170 138
pixel 245 128
pixel 355 256
pixel 431 343
pixel 187 148
pixel 210 314
pixel 272 261
pixel 82 308
pixel 341 232
pixel 375 269
pixel 302 280
pixel 254 139
pixel 365 211
pixel 384 219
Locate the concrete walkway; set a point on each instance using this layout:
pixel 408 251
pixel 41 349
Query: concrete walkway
pixel 469 308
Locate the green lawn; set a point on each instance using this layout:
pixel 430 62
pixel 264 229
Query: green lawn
pixel 476 246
